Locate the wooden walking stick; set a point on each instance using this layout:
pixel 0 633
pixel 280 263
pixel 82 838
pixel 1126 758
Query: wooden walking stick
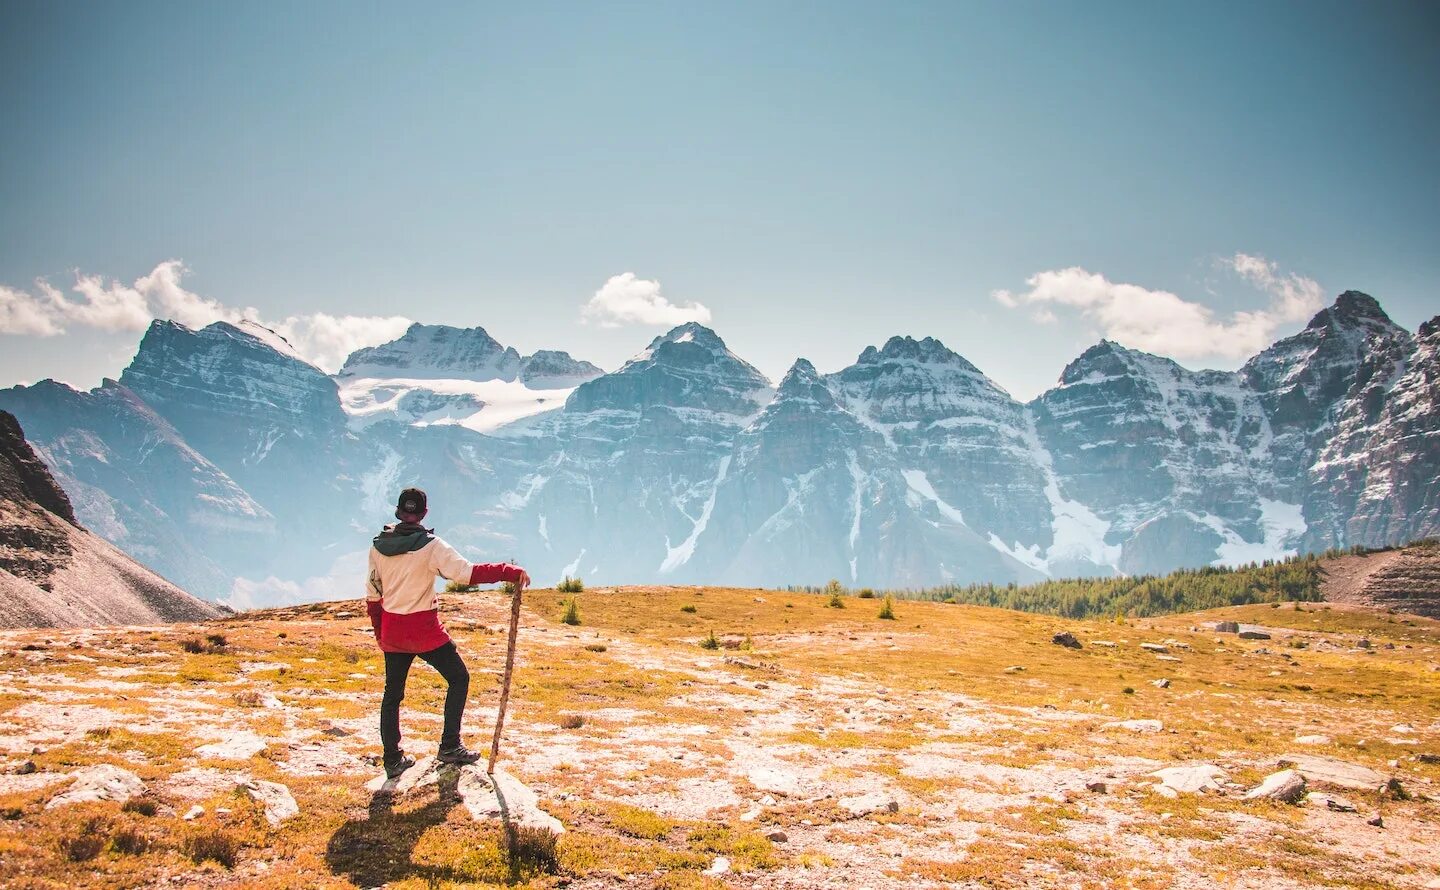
pixel 505 683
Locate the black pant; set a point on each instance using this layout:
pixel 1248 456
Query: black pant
pixel 445 659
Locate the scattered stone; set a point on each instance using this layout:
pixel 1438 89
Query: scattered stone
pixel 1377 820
pixel 1196 779
pixel 193 813
pixel 344 614
pixel 1427 757
pixel 720 866
pixel 1097 787
pixel 1312 740
pixel 1136 725
pixel 1254 635
pixel 1402 728
pixel 1287 785
pixel 750 815
pixel 1106 644
pixel 25 768
pixel 865 804
pixel 777 836
pixel 1067 639
pixel 100 782
pixel 1329 802
pixel 1014 669
pixel 279 802
pixel 1363 644
pixel 1161 683
pixel 1337 773
pixel 1155 647
pixel 1166 658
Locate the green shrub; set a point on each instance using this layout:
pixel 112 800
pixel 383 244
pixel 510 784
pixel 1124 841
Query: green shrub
pixel 834 587
pixel 710 642
pixel 1128 690
pixel 866 594
pixel 836 601
pixel 689 608
pixel 460 587
pixel 571 721
pixel 570 585
pixel 572 612
pixel 596 647
pixel 887 608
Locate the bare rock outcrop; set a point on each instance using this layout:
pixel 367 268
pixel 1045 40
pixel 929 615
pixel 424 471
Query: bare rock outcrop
pixel 55 573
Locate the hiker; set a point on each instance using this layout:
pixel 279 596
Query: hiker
pixel 400 599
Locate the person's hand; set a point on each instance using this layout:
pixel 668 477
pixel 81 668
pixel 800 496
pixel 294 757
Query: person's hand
pixel 524 581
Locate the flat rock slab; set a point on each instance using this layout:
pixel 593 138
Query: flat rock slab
pixel 241 746
pixel 1136 725
pixel 100 782
pixel 501 796
pixel 1191 779
pixel 1339 773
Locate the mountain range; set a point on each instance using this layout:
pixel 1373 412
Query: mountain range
pixel 238 470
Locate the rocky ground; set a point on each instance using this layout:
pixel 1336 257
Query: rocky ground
pixel 815 747
pixel 1406 578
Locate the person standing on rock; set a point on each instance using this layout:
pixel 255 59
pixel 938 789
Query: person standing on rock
pixel 400 599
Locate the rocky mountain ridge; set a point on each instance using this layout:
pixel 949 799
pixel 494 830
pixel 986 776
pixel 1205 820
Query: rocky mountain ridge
pixel 53 572
pixel 908 468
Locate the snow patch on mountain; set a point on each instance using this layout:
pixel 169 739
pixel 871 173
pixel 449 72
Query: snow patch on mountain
pixel 1282 527
pixel 920 484
pixel 678 556
pixel 483 406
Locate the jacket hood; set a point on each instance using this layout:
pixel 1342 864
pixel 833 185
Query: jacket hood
pixel 404 537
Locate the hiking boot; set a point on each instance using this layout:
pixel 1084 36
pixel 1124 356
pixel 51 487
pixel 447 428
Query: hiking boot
pixel 458 754
pixel 397 765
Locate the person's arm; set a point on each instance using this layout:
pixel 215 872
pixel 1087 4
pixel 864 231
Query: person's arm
pixel 374 596
pixel 449 564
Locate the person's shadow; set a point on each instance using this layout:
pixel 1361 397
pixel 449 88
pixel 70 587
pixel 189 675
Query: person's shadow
pixel 380 848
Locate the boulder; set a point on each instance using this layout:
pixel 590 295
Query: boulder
pixel 1161 683
pixel 1287 785
pixel 777 837
pixel 100 782
pixel 502 796
pixel 720 866
pixel 1067 639
pixel 1254 635
pixel 1227 627
pixel 279 803
pixel 1312 740
pixel 1155 647
pixel 1195 779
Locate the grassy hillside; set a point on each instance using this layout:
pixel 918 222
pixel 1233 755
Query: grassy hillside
pixel 1006 757
pixel 1299 578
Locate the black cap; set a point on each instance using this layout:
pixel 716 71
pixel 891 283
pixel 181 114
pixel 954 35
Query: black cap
pixel 412 502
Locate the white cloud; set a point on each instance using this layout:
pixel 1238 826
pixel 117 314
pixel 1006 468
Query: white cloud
pixel 625 299
pixel 1296 297
pixel 1162 322
pixel 327 340
pixel 324 340
pixel 23 314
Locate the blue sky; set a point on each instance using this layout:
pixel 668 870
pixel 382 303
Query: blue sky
pixel 1015 179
